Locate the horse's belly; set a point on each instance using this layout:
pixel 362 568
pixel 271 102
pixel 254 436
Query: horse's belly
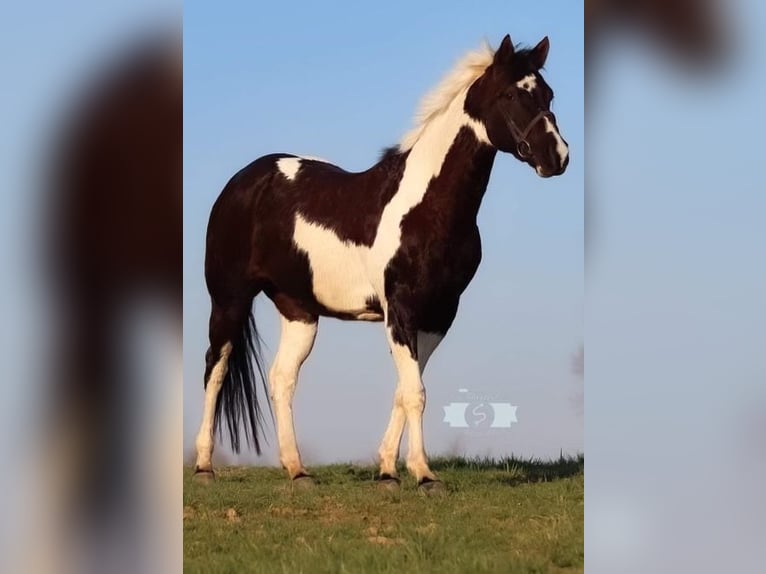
pixel 339 277
pixel 342 286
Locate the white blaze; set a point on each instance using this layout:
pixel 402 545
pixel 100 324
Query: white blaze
pixel 561 147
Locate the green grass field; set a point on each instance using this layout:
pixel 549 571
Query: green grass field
pixel 498 516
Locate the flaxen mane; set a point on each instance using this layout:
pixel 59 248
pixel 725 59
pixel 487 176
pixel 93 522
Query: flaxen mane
pixel 467 70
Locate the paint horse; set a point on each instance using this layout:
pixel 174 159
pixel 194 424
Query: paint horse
pixel 397 243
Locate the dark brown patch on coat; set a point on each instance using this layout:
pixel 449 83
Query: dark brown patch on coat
pixel 441 248
pixel 250 234
pixel 351 204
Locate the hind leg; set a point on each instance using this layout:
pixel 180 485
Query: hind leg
pixel 222 330
pixel 295 344
pixel 205 438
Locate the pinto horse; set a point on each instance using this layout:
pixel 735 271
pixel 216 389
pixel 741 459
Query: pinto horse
pixel 397 243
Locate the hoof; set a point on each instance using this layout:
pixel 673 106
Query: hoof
pixel 429 487
pixel 304 482
pixel 388 483
pixel 203 476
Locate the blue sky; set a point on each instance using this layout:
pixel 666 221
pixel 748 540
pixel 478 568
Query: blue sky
pixel 342 81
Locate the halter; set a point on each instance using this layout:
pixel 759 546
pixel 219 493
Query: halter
pixel 522 145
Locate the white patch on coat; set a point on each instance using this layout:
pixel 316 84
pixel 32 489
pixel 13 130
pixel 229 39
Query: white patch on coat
pixel 346 274
pixel 528 83
pixel 424 163
pixel 436 102
pixel 339 277
pixel 289 167
pixel 561 147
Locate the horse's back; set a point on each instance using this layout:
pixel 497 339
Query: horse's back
pixel 255 175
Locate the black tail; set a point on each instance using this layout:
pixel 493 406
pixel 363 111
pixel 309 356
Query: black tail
pixel 238 400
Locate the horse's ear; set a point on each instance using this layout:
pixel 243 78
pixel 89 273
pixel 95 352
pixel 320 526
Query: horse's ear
pixel 505 51
pixel 540 53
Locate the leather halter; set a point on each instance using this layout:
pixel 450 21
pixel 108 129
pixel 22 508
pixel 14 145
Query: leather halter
pixel 522 145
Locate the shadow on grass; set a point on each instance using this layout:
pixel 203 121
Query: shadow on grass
pixel 512 470
pixel 508 470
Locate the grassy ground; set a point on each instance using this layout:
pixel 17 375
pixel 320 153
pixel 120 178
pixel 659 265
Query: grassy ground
pixel 499 516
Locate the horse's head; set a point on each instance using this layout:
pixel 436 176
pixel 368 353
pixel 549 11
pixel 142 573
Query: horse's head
pixel 513 102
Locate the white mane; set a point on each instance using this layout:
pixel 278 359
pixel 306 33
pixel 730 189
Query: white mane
pixel 465 72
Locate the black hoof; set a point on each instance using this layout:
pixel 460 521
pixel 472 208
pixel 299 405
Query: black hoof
pixel 431 487
pixel 304 482
pixel 389 483
pixel 203 476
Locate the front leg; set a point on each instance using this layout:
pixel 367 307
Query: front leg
pixel 389 448
pixel 410 352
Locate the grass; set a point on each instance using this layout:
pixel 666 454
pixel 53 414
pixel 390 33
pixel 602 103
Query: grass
pixel 509 516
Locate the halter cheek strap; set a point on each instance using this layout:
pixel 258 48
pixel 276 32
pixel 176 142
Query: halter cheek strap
pixel 522 145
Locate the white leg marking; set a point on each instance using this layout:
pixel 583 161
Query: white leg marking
pixel 289 167
pixel 389 447
pixel 561 147
pixel 205 439
pixel 409 403
pixel 528 83
pixel 295 344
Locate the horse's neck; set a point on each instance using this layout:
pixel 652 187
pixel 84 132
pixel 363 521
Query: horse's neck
pixel 453 159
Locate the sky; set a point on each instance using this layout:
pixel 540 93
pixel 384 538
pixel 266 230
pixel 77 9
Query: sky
pixel 341 81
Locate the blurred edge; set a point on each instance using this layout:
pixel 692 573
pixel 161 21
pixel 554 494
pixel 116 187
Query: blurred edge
pixel 111 221
pixel 116 246
pixel 99 487
pixel 674 284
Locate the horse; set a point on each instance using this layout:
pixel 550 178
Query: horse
pixel 397 244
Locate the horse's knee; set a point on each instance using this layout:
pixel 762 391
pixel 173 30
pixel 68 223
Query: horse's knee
pixel 413 400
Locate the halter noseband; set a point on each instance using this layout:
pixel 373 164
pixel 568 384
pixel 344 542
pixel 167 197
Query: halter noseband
pixel 522 145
